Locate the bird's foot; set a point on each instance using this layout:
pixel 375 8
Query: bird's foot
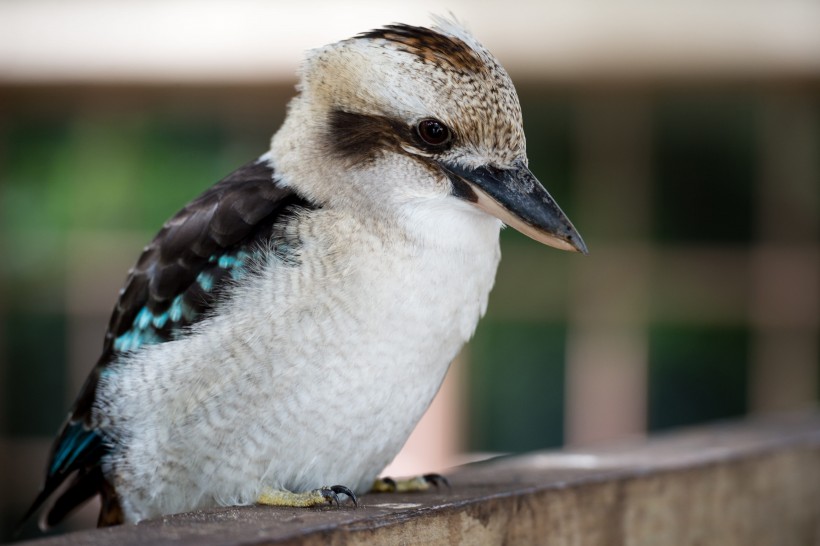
pixel 317 497
pixel 418 483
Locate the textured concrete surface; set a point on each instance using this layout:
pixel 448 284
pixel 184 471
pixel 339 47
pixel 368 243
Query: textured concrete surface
pixel 743 483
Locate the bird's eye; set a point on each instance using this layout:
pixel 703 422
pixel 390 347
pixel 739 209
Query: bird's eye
pixel 433 132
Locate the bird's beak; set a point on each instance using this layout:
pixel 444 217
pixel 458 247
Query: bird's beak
pixel 518 199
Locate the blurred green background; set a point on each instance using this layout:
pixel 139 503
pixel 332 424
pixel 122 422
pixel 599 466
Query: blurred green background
pixel 698 199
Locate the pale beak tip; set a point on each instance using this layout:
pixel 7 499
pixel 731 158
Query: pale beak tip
pixel 579 245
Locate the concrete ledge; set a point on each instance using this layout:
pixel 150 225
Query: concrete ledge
pixel 743 483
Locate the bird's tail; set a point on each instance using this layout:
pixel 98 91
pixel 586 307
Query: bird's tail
pixel 75 459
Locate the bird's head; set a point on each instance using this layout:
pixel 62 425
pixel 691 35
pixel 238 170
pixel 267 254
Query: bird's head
pixel 418 115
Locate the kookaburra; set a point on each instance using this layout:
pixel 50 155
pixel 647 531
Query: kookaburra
pixel 287 329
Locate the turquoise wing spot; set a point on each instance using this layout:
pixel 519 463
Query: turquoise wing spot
pixel 240 266
pixel 144 318
pixel 146 325
pixel 135 338
pixel 235 264
pixel 160 320
pixel 175 312
pixel 227 261
pixel 206 281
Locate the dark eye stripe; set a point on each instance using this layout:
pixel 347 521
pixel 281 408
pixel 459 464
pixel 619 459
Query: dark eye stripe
pixel 362 137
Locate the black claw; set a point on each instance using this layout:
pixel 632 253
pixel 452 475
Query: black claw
pixel 330 495
pixel 346 491
pixel 436 479
pixel 391 483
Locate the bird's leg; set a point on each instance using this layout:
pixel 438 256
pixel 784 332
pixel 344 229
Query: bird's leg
pixel 417 483
pixel 317 497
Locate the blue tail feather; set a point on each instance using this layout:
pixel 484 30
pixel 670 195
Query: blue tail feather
pixel 74 448
pixel 75 445
pixel 77 449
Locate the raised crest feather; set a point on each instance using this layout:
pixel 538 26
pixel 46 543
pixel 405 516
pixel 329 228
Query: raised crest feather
pixel 431 45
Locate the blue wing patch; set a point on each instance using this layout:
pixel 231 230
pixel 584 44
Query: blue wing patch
pixel 150 327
